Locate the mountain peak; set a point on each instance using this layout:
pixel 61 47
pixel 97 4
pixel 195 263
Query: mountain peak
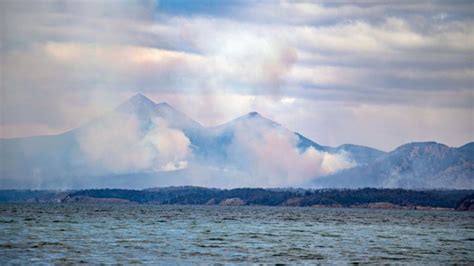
pixel 140 99
pixel 252 117
pixel 137 103
pixel 254 114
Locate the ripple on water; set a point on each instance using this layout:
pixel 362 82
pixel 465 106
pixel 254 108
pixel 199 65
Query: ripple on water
pixel 83 234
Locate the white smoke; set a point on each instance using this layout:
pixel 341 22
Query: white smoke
pixel 119 144
pixel 270 154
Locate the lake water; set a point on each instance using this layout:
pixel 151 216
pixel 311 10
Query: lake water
pixel 75 233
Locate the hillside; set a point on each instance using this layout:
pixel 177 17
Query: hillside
pixel 413 165
pixel 142 144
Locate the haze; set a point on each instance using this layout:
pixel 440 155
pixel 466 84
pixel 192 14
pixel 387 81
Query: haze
pixel 370 73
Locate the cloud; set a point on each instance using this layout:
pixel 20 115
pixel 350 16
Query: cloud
pixel 243 57
pixel 119 144
pixel 65 63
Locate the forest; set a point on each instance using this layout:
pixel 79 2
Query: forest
pixel 189 195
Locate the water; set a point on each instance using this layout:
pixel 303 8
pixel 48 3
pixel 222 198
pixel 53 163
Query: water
pixel 76 233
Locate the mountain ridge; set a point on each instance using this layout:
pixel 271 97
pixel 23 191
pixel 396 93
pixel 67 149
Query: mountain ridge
pixel 135 97
pixel 61 155
pixel 412 165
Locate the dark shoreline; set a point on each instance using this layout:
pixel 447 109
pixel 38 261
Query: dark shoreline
pixel 371 198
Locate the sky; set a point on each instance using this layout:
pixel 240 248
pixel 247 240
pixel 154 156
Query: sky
pixel 373 73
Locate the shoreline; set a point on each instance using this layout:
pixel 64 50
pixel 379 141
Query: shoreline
pixel 367 198
pixel 117 201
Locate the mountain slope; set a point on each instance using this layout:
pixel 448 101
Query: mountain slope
pixel 57 161
pixel 467 150
pixel 147 112
pixel 141 144
pixel 254 121
pixel 413 165
pixel 361 154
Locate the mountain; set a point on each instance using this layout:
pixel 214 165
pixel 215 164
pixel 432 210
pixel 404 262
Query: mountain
pixel 143 144
pixel 57 161
pixel 145 111
pixel 254 120
pixel 361 154
pixel 254 125
pixel 467 150
pixel 413 165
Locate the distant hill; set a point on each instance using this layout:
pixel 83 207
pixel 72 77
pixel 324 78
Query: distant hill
pixel 142 144
pixel 467 150
pixel 413 165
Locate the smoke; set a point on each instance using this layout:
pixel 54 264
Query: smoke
pixel 270 155
pixel 261 153
pixel 119 144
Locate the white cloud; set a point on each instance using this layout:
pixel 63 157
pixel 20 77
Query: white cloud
pixel 287 100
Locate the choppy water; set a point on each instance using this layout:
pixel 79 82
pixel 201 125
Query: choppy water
pixel 61 233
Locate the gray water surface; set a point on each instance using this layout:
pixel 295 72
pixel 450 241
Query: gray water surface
pixel 78 233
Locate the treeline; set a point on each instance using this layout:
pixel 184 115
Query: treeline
pixel 282 197
pixel 250 196
pixel 191 195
